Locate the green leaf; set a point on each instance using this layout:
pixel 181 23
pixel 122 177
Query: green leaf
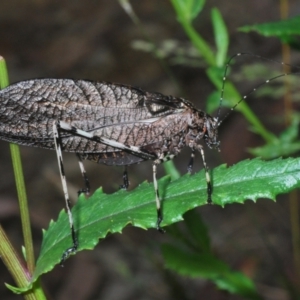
pixel 279 29
pixel 15 289
pixel 291 40
pixel 205 265
pixel 221 36
pixel 197 230
pixel 193 257
pixel 286 144
pixel 212 102
pixel 102 214
pixel 187 10
pixel 196 7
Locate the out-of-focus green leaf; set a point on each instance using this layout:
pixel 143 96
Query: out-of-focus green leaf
pixel 197 230
pixel 279 29
pixel 221 37
pixel 287 144
pixel 207 266
pixel 187 10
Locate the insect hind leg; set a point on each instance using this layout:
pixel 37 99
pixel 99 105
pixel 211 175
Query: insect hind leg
pixel 58 148
pixel 87 188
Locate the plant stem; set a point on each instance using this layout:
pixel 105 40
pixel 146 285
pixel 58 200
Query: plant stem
pixel 8 254
pixel 18 271
pixel 19 178
pixel 23 204
pixel 13 263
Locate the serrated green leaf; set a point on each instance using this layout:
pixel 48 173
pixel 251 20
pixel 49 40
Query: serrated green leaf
pixel 205 265
pixel 101 213
pixel 221 36
pixel 279 29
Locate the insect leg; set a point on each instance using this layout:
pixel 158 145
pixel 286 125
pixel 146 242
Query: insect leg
pixel 158 206
pixel 130 149
pixel 90 136
pixel 57 141
pixel 125 184
pixel 86 189
pixel 207 176
pixel 191 162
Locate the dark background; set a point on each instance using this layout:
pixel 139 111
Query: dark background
pixel 92 40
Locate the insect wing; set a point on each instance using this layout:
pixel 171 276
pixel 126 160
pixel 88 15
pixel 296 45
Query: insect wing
pixel 122 113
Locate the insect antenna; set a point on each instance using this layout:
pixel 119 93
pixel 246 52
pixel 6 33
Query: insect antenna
pixel 254 89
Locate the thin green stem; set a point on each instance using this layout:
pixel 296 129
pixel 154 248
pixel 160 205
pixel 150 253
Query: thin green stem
pixel 203 47
pixel 17 269
pixel 256 124
pixel 199 43
pixel 3 74
pixel 13 262
pixel 8 254
pixel 171 170
pixel 20 184
pixel 19 178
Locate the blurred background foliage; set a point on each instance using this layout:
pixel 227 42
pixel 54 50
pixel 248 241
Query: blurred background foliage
pixel 176 47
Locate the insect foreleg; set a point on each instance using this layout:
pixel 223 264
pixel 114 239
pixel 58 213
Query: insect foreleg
pixel 57 141
pixel 86 189
pixel 207 176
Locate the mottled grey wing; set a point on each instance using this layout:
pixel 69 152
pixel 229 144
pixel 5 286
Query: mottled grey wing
pixel 123 113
